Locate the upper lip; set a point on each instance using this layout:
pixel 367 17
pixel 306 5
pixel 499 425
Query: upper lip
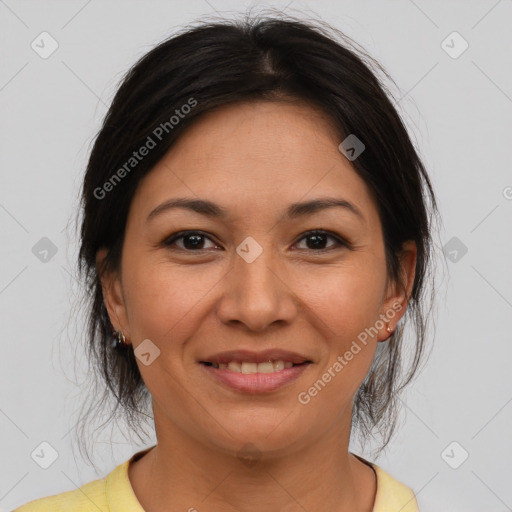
pixel 256 357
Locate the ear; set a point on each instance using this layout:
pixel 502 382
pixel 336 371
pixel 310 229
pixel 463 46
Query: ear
pixel 397 298
pixel 113 295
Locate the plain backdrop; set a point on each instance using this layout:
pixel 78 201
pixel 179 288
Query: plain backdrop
pixel 454 449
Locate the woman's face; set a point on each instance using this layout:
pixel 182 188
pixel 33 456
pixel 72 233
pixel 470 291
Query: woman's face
pixel 253 279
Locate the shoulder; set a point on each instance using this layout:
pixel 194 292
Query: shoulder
pixel 89 497
pixel 392 495
pixel 112 493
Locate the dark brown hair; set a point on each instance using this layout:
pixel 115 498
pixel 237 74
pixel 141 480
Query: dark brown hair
pixel 218 63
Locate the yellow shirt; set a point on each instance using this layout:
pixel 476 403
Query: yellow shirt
pixel 114 493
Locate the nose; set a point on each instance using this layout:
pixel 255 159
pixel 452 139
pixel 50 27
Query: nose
pixel 257 294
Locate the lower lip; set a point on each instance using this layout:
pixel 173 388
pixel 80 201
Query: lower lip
pixel 256 382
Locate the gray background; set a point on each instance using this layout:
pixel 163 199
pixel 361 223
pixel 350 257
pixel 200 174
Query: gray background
pixel 459 111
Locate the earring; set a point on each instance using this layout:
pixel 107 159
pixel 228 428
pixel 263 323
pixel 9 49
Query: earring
pixel 120 339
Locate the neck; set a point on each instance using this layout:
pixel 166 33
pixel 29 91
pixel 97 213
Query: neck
pixel 181 473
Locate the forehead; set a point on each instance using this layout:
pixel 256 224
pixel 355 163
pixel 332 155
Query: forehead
pixel 254 130
pixel 258 155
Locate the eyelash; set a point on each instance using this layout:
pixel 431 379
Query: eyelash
pixel 340 242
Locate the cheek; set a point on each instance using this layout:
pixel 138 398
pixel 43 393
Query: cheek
pixel 347 299
pixel 163 300
pixel 349 304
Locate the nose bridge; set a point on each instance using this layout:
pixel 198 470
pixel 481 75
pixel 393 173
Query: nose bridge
pixel 255 294
pixel 253 272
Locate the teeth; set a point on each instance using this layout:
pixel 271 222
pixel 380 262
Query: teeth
pixel 248 368
pixel 234 367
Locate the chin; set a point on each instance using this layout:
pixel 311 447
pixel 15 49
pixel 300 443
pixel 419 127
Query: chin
pixel 255 439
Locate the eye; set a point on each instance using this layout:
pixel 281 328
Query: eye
pixel 194 241
pixel 318 238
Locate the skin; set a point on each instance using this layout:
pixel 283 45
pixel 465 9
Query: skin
pixel 252 159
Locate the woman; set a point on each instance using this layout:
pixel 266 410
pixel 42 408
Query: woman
pixel 255 227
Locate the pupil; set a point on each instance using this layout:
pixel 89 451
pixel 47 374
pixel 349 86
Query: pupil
pixel 195 244
pixel 317 237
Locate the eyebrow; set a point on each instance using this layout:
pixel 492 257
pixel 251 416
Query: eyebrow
pixel 295 210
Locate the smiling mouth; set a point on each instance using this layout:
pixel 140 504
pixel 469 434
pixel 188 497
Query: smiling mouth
pixel 244 367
